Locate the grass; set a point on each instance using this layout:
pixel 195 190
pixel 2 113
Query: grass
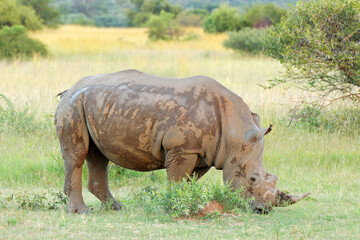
pixel 323 161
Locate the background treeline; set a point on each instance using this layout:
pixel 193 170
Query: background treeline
pixel 127 13
pixel 317 41
pixel 163 18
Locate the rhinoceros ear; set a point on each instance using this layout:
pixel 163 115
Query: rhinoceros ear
pixel 256 135
pixel 268 129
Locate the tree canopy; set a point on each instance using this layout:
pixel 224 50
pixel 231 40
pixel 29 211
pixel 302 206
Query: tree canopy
pixel 13 13
pixel 44 10
pixel 144 9
pixel 319 44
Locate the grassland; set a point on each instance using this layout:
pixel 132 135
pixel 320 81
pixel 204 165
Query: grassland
pixel 324 162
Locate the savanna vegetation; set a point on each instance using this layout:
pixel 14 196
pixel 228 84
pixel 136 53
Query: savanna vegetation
pixel 314 145
pixel 318 43
pixel 310 150
pixel 122 13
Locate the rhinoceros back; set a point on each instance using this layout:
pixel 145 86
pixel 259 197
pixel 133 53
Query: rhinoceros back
pixel 134 121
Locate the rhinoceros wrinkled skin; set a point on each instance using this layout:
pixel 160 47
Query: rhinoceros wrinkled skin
pixel 144 122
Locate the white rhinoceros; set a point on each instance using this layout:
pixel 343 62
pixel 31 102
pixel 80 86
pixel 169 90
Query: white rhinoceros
pixel 144 123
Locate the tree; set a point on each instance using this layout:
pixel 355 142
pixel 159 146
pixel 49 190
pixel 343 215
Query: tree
pixel 188 18
pixel 101 13
pixel 44 10
pixel 144 9
pixel 223 19
pixel 163 27
pixel 15 43
pixel 266 14
pixel 318 42
pixel 249 40
pixel 15 20
pixel 12 13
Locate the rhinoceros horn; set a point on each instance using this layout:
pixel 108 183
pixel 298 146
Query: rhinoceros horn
pixel 283 199
pixel 278 198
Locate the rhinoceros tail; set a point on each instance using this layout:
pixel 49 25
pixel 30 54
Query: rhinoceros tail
pixel 62 93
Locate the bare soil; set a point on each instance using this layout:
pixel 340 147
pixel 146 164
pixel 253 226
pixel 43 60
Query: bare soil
pixel 210 208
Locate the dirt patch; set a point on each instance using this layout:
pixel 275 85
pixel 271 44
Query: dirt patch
pixel 210 208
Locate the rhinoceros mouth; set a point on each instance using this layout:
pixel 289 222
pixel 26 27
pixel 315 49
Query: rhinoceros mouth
pixel 274 198
pixel 259 208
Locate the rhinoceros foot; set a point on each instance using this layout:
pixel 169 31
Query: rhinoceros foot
pixel 114 206
pixel 82 210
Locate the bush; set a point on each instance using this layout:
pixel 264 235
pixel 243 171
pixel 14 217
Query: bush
pixel 163 27
pixel 264 14
pixel 34 201
pixel 189 198
pixel 223 19
pixel 189 19
pixel 14 43
pixel 142 11
pixel 248 40
pixel 12 14
pixel 318 43
pixel 44 10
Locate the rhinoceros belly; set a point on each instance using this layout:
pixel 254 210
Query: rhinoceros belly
pixel 128 123
pixel 127 131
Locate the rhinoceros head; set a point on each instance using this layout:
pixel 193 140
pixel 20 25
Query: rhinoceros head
pixel 245 169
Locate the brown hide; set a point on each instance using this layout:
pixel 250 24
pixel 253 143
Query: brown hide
pixel 143 122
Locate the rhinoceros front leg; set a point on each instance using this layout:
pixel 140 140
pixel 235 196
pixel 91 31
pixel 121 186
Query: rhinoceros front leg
pixel 98 178
pixel 179 165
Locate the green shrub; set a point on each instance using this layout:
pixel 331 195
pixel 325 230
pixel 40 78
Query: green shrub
pixel 142 11
pixel 188 198
pixel 163 27
pixel 229 198
pixel 223 19
pixel 248 40
pixel 45 10
pixel 189 19
pixel 35 201
pixel 14 43
pixel 12 13
pixel 318 43
pixel 268 13
pixel 140 19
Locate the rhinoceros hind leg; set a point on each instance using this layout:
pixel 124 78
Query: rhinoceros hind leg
pixel 73 190
pixel 74 141
pixel 72 187
pixel 98 178
pixel 179 165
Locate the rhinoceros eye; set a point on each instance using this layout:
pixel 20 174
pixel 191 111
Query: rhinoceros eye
pixel 254 179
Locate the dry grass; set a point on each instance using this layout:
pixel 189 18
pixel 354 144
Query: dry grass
pixel 325 164
pixel 82 51
pixel 71 40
